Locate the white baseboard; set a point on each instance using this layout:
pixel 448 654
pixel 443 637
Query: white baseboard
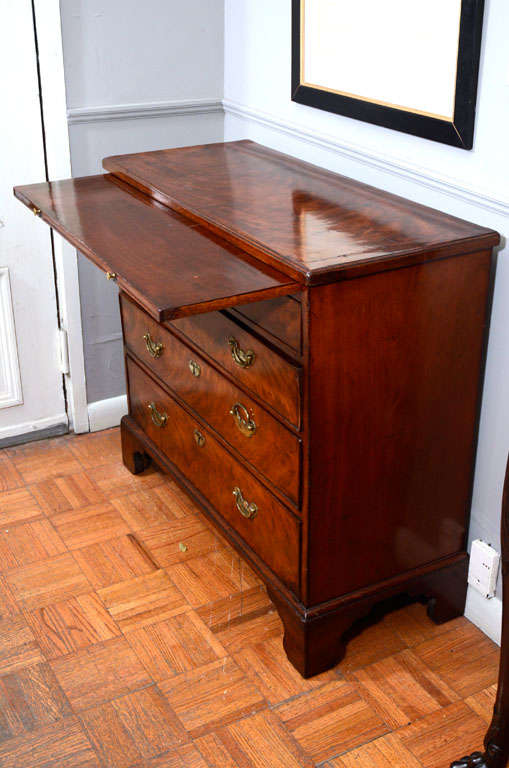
pixel 30 427
pixel 485 614
pixel 104 414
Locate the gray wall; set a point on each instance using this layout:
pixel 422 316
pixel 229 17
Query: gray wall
pixel 123 60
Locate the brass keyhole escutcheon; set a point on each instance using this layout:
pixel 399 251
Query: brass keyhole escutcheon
pixel 243 421
pixel 244 359
pixel 194 368
pixel 247 509
pixel 159 419
pixel 154 348
pixel 199 439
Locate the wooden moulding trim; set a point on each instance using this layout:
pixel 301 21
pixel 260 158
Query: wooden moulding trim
pixel 382 589
pixel 477 244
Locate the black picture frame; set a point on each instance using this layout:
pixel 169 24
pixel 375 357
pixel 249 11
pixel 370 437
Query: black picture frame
pixel 459 132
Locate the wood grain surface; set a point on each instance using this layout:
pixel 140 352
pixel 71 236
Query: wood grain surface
pixel 212 397
pixel 313 223
pixel 271 377
pixel 394 398
pixel 212 274
pixel 273 533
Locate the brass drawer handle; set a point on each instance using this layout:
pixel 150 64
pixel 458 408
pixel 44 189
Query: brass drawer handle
pixel 36 211
pixel 243 420
pixel 244 359
pixel 111 275
pixel 159 419
pixel 199 439
pixel 246 509
pixel 194 368
pixel 154 348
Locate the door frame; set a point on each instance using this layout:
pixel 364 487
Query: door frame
pixel 48 30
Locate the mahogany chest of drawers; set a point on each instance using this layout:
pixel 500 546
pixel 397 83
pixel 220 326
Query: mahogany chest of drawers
pixel 304 355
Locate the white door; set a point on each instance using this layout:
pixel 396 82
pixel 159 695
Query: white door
pixel 31 383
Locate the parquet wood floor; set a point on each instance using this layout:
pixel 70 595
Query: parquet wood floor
pixel 121 649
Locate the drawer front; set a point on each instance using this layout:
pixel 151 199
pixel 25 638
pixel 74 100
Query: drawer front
pixel 246 358
pixel 260 438
pixel 270 530
pixel 281 317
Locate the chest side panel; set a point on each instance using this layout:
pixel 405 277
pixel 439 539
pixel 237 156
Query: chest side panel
pixel 396 360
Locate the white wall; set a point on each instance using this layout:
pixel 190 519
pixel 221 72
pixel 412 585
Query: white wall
pixel 146 51
pixel 139 76
pixel 472 185
pixel 257 74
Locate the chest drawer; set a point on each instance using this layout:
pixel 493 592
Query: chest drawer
pixel 260 438
pixel 246 505
pixel 256 366
pixel 280 317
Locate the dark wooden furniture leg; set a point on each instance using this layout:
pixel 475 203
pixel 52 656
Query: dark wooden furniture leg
pixel 315 639
pixel 496 742
pixel 133 452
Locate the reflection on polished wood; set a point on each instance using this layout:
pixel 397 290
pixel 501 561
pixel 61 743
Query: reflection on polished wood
pixel 108 221
pixel 310 222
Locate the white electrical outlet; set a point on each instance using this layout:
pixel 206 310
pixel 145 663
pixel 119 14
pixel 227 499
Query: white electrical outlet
pixel 483 570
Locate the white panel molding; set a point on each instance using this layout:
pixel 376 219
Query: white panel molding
pixel 10 377
pixel 143 110
pixel 485 613
pixel 407 171
pixel 104 414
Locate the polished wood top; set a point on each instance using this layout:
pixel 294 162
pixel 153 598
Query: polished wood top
pixel 170 265
pixel 315 225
